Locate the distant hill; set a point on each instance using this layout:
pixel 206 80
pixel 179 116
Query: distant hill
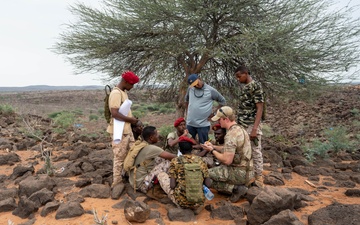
pixel 49 88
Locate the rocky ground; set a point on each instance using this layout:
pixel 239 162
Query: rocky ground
pixel 75 182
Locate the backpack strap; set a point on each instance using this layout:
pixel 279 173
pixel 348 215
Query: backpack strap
pixel 107 89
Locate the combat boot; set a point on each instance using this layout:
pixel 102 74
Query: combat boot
pixel 238 192
pixel 259 181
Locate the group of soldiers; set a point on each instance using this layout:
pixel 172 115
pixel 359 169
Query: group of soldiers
pixel 229 164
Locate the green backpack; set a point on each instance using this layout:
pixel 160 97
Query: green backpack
pixel 193 181
pixel 107 113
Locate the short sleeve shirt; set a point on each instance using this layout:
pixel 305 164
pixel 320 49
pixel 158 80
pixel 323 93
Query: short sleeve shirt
pixel 148 152
pixel 251 94
pixel 238 142
pixel 116 98
pixel 174 149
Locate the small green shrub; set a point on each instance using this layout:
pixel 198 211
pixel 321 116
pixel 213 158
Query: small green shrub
pixel 355 112
pixel 54 114
pixel 93 117
pixel 6 109
pixel 338 139
pixel 153 107
pixel 77 112
pixel 138 113
pixel 64 119
pixel 165 130
pixel 35 134
pixel 59 130
pixel 267 130
pixel 101 111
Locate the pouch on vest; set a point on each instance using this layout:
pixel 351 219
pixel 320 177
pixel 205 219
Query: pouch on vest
pixel 194 183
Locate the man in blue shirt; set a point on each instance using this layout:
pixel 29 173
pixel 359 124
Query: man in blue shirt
pixel 199 98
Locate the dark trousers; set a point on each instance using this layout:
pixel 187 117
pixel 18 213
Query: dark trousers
pixel 202 132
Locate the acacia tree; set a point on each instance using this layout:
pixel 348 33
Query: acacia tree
pixel 164 41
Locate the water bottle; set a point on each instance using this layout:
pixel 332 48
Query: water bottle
pixel 208 194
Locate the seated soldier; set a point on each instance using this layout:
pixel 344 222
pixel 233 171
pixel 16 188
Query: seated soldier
pixel 174 183
pixel 149 161
pixel 137 129
pixel 173 137
pixel 236 171
pixel 218 145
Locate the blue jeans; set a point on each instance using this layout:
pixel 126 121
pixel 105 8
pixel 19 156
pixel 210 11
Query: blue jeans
pixel 202 132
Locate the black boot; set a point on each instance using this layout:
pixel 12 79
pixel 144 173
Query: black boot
pixel 238 192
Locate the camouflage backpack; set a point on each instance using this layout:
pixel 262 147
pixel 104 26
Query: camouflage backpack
pixel 107 113
pixel 193 181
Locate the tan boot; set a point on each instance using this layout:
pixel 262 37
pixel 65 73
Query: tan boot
pixel 259 181
pixel 238 192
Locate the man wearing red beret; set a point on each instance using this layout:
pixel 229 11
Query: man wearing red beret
pixel 117 97
pixel 173 137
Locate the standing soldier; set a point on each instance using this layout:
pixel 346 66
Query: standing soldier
pixel 250 112
pixel 120 149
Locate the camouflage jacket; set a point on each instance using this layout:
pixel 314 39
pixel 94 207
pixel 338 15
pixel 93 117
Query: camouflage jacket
pixel 177 171
pixel 251 94
pixel 237 141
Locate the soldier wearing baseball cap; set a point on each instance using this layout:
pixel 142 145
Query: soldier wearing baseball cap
pixel 235 174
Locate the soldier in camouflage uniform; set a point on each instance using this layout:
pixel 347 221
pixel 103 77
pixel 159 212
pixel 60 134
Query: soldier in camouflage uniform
pixel 176 178
pixel 235 173
pixel 120 149
pixel 250 113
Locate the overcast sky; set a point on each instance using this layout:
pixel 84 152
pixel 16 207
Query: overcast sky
pixel 28 29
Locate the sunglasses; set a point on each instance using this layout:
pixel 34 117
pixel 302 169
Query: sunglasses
pixel 220 110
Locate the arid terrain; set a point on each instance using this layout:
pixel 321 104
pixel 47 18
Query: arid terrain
pixel 290 125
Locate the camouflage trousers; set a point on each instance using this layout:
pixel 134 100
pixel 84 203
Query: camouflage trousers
pixel 164 181
pixel 162 165
pixel 226 177
pixel 256 151
pixel 120 151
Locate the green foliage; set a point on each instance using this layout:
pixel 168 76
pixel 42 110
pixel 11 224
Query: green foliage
pixel 35 134
pixel 138 113
pixel 101 111
pixel 165 41
pixel 140 110
pixel 64 119
pixel 6 109
pixel 165 130
pixel 77 112
pixel 336 140
pixel 59 130
pixel 54 114
pixel 281 139
pixel 93 117
pixel 267 130
pixel 355 112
